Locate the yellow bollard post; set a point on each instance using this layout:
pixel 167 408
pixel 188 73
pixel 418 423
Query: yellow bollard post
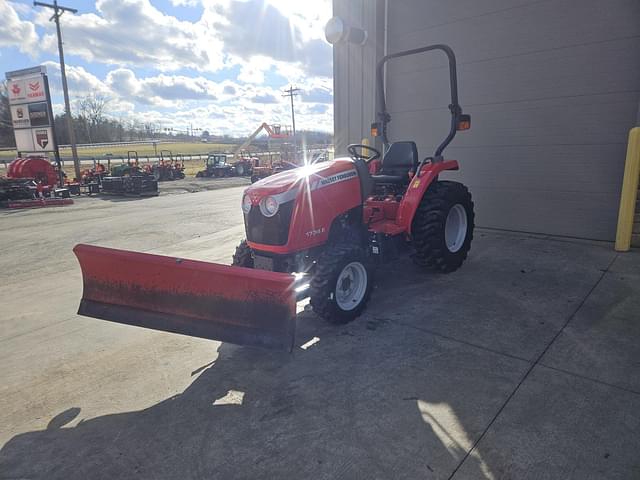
pixel 629 194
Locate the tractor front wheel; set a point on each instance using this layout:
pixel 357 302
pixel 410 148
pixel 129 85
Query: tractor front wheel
pixel 242 257
pixel 341 284
pixel 442 228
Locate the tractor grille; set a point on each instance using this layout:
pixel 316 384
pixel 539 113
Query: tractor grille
pixel 269 230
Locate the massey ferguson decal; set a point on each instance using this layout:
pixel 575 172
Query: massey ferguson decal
pixel 42 137
pixel 338 177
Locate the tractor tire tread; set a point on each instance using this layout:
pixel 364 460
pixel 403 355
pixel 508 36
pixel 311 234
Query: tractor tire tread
pixel 429 222
pixel 327 269
pixel 242 256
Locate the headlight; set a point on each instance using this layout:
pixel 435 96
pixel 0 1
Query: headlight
pixel 269 206
pixel 246 204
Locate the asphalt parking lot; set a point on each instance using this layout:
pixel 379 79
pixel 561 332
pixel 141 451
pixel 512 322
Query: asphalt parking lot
pixel 522 364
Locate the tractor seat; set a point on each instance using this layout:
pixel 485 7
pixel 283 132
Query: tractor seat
pixel 400 159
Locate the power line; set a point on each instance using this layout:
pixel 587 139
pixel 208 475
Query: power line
pixel 291 92
pixel 58 10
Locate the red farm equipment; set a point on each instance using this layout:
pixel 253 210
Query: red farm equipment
pixel 30 182
pixel 169 167
pixel 317 231
pixel 38 169
pixel 129 179
pixel 27 178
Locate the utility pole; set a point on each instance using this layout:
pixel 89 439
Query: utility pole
pixel 57 13
pixel 291 92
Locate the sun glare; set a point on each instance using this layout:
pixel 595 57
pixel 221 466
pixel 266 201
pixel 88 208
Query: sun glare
pixel 310 14
pixel 305 170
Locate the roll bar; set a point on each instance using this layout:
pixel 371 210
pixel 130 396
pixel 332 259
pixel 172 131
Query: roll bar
pixel 456 110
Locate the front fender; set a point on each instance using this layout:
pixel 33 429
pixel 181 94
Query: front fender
pixel 417 188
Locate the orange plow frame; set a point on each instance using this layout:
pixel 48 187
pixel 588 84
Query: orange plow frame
pixel 200 299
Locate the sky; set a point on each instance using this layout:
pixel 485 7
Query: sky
pixel 217 65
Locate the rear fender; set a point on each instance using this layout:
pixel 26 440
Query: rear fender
pixel 417 188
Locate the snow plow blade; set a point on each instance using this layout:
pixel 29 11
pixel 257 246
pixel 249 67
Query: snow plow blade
pixel 219 302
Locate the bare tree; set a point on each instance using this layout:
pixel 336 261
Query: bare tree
pixel 6 127
pixel 91 109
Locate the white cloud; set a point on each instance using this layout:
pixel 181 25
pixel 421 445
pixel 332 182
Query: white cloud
pixel 162 90
pixel 80 82
pixel 319 94
pixel 175 101
pixel 134 32
pixel 253 72
pixel 16 32
pixel 255 34
pixel 258 28
pixel 244 40
pixel 184 3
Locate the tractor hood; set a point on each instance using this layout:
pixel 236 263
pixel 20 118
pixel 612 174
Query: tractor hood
pixel 292 180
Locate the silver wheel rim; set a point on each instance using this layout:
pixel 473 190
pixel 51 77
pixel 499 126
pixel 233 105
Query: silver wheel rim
pixel 351 286
pixel 455 228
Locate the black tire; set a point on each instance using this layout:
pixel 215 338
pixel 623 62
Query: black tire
pixel 242 257
pixel 323 285
pixel 254 178
pixel 428 228
pixel 199 175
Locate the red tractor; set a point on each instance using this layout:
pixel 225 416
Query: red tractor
pixel 168 168
pixel 316 231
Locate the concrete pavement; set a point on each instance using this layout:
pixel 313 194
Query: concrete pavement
pixel 523 364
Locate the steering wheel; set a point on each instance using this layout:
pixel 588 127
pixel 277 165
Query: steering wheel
pixel 352 149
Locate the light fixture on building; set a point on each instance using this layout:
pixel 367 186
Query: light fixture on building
pixel 337 31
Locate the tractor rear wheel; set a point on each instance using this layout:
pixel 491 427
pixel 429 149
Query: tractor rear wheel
pixel 442 228
pixel 242 257
pixel 341 284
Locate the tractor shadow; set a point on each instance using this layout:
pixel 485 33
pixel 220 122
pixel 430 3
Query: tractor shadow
pixel 375 398
pixel 362 402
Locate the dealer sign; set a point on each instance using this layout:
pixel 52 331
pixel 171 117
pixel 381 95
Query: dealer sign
pixel 31 114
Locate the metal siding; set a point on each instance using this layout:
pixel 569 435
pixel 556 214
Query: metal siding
pixel 354 82
pixel 553 88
